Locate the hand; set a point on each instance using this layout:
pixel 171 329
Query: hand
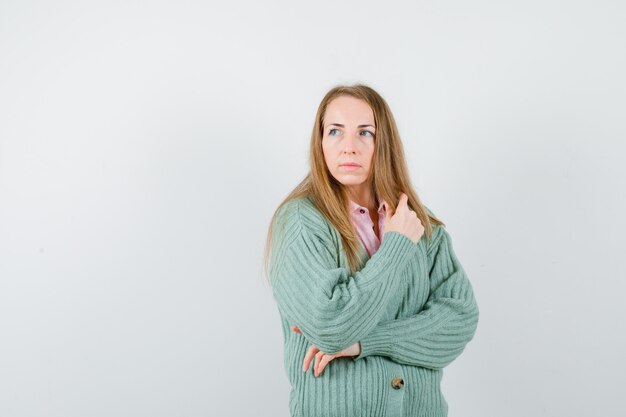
pixel 404 220
pixel 321 358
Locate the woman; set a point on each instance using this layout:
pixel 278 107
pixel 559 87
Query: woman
pixel 367 284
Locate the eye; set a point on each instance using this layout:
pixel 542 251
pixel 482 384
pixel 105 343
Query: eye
pixel 330 132
pixel 367 131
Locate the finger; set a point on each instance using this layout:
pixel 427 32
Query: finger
pixel 295 329
pixel 318 358
pixel 400 205
pixel 325 361
pixel 403 200
pixel 308 357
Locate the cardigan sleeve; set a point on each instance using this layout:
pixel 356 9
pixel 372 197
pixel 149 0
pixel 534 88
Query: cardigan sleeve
pixel 436 335
pixel 332 310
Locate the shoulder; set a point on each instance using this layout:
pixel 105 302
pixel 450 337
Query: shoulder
pixel 300 228
pixel 438 234
pixel 428 210
pixel 300 209
pixel 302 215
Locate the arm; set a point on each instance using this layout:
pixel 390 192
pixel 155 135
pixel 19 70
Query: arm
pixel 436 335
pixel 332 310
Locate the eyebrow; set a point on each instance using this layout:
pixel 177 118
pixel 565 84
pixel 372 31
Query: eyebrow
pixel 340 125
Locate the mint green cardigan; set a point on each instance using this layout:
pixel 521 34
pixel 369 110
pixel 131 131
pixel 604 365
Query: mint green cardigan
pixel 410 306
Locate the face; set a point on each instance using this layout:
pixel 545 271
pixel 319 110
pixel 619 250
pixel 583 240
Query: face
pixel 348 138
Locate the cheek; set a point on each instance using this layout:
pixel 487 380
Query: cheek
pixel 327 151
pixel 370 155
pixel 327 157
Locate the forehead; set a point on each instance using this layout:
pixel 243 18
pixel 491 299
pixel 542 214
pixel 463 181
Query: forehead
pixel 348 110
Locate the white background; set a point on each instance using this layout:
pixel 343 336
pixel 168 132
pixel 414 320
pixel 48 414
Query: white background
pixel 145 145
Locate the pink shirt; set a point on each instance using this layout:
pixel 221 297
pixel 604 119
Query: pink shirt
pixel 365 227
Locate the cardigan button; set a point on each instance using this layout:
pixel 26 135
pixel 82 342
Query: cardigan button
pixel 397 383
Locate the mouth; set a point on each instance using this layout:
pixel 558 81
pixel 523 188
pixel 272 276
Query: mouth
pixel 350 167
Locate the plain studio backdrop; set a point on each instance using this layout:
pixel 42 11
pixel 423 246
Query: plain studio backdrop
pixel 145 145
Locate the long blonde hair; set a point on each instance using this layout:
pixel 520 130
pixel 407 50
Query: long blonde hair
pixel 388 175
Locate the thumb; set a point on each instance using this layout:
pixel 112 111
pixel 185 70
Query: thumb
pixel 404 199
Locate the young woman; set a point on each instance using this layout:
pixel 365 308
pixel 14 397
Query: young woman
pixel 368 287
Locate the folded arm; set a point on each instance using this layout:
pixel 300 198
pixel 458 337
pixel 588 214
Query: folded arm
pixel 437 334
pixel 332 310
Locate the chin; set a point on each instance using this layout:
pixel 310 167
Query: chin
pixel 349 180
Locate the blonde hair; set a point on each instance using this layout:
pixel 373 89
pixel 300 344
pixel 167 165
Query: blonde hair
pixel 388 175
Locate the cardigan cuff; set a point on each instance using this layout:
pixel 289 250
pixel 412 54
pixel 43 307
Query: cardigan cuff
pixel 376 343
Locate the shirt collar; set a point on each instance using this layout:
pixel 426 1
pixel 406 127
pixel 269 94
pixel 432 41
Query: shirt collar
pixel 354 207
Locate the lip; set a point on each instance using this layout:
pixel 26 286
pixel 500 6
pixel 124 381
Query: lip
pixel 350 167
pixel 350 164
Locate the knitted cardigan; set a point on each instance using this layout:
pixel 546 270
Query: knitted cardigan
pixel 410 306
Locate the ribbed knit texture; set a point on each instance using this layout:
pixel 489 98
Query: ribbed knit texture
pixel 410 306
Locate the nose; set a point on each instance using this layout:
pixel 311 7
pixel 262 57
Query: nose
pixel 348 144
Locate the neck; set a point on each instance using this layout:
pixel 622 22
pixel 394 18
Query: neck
pixel 362 197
